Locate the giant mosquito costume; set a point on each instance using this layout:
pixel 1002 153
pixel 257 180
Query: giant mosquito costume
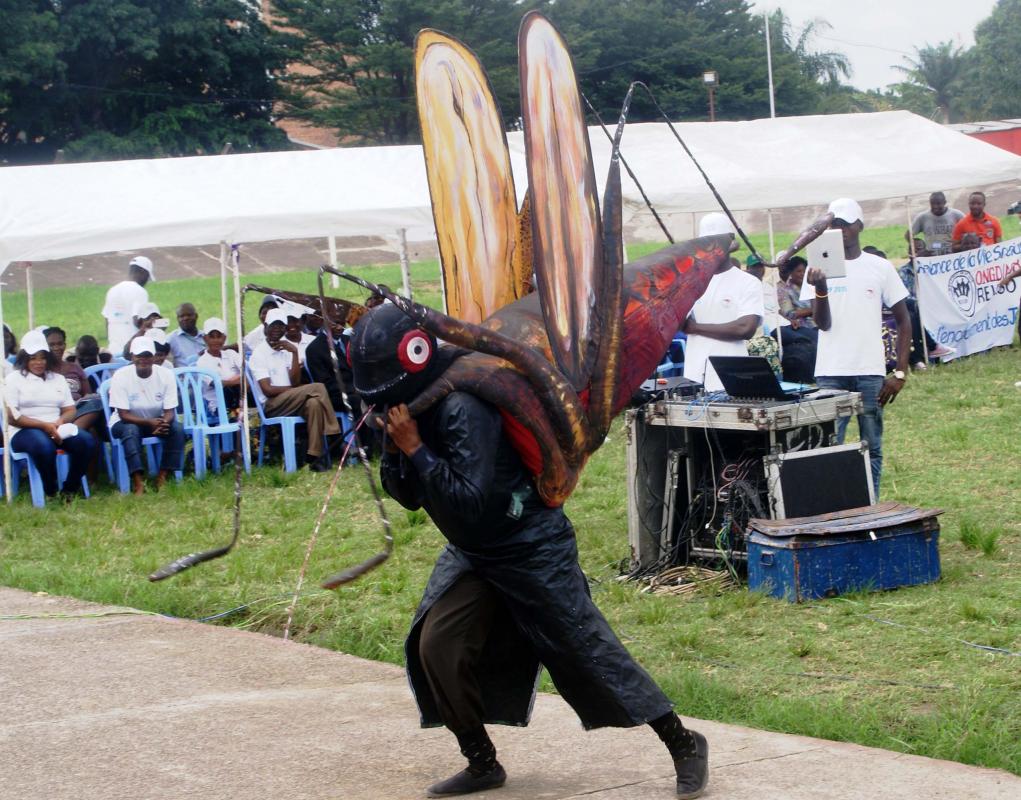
pixel 501 423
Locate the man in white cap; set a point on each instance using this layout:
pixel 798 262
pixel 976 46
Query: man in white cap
pixel 121 300
pixel 725 317
pixel 143 399
pixel 849 314
pixel 276 371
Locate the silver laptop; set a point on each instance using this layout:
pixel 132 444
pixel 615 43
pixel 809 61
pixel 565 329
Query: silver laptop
pixel 827 253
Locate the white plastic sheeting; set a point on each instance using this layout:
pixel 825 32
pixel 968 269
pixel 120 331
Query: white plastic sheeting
pixel 66 210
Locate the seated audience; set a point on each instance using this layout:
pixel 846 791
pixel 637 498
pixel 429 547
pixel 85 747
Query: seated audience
pixel 186 343
pixel 159 338
pixel 143 400
pixel 88 407
pixel 39 413
pixel 801 337
pixel 225 363
pixel 257 335
pixel 296 335
pixel 87 353
pixel 984 226
pixel 907 277
pixel 276 372
pixel 10 345
pixel 146 318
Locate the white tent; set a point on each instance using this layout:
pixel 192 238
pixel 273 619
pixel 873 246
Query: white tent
pixel 50 212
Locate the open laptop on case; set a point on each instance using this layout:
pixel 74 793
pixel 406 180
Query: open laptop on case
pixel 750 378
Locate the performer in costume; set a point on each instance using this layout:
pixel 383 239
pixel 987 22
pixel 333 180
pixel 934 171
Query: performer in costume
pixel 507 594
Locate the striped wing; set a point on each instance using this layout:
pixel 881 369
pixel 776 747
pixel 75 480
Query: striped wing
pixel 567 238
pixel 470 181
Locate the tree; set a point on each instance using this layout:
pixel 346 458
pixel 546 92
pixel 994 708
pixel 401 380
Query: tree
pixel 28 63
pixel 142 78
pixel 995 89
pixel 356 59
pixel 936 69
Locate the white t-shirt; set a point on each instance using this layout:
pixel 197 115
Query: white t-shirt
pixel 120 303
pixel 729 296
pixel 29 395
pixel 854 343
pixel 227 365
pixel 254 338
pixel 306 340
pixel 143 397
pixel 269 363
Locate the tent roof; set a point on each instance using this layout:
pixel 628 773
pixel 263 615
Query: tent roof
pixel 801 161
pixel 58 211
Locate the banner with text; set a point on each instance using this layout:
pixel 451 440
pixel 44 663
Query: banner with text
pixel 960 299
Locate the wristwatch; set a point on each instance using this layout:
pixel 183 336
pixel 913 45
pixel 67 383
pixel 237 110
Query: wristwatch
pixel 899 374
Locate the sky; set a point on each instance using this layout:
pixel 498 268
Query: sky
pixel 875 34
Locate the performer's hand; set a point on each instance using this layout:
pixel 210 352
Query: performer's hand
pixel 891 388
pixel 403 430
pixel 817 278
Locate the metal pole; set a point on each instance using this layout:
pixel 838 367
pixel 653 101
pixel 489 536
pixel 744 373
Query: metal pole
pixel 334 280
pixel 402 236
pixel 30 294
pixel 712 104
pixel 235 263
pixel 769 68
pixel 223 280
pixel 772 245
pixel 3 405
pixel 914 272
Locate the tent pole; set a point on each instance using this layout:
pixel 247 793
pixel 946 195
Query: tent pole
pixel 772 257
pixel 772 244
pixel 235 267
pixel 30 295
pixel 914 272
pixel 402 236
pixel 334 279
pixel 223 281
pixel 8 494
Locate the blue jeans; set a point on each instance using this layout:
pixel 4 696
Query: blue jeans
pixel 131 440
pixel 43 452
pixel 870 421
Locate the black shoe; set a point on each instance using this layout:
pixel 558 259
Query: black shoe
pixel 318 464
pixel 693 771
pixel 466 782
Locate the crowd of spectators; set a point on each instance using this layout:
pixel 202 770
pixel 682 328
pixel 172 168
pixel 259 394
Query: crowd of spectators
pixel 52 405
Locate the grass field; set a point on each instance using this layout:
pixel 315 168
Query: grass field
pixel 899 670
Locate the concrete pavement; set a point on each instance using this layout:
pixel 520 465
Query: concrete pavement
pixel 100 703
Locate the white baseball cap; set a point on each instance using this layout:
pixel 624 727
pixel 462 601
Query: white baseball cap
pixel 276 315
pixel 34 342
pixel 215 324
pixel 143 345
pixel 846 209
pixel 158 335
pixel 145 310
pixel 715 224
pixel 144 263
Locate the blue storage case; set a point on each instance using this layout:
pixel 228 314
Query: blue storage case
pixel 882 546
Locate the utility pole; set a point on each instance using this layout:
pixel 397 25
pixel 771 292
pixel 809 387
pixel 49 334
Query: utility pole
pixel 711 80
pixel 769 68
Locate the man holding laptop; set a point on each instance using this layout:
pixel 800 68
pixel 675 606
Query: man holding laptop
pixel 848 289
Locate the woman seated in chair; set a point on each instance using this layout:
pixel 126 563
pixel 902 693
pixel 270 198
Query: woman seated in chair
pixel 143 402
pixel 39 414
pixel 88 407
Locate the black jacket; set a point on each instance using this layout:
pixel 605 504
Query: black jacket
pixel 474 486
pixel 320 367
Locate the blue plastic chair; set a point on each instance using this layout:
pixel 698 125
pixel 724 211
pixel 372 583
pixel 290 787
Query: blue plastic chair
pixel 152 445
pixel 195 417
pixel 98 373
pixel 288 425
pixel 346 424
pixel 670 367
pixel 35 480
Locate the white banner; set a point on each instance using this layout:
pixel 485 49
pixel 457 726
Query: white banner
pixel 960 301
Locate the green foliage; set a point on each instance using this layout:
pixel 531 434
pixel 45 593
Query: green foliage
pixel 133 78
pixel 998 62
pixel 937 70
pixel 359 59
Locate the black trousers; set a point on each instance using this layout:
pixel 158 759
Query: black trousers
pixel 453 635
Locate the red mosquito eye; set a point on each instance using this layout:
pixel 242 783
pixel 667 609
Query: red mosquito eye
pixel 414 351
